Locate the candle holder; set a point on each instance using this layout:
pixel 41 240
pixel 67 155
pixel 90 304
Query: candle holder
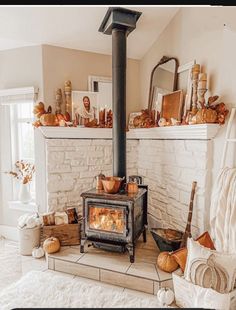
pixel 68 101
pixel 194 78
pixel 102 118
pixel 58 97
pixel 201 97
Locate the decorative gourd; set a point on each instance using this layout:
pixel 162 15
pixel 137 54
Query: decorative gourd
pixel 166 262
pixel 207 273
pixel 162 122
pixel 39 109
pixel 62 123
pixel 165 296
pixel 206 116
pixel 51 245
pixel 60 117
pixel 49 119
pixel 36 124
pixel 67 117
pixel 38 252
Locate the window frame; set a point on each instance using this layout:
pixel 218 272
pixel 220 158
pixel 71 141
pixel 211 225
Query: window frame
pixel 9 136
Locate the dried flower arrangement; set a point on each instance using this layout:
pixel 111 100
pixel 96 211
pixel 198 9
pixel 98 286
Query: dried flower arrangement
pixel 24 171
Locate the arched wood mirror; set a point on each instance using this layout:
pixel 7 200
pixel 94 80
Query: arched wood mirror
pixel 163 81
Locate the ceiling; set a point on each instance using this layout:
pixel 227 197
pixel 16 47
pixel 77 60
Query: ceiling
pixel 77 27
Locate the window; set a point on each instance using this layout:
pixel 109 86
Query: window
pixel 17 135
pixel 22 138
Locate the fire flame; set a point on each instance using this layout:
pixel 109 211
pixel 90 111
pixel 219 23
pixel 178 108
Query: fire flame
pixel 107 219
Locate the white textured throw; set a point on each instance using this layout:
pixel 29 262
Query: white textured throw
pixel 223 211
pixel 41 289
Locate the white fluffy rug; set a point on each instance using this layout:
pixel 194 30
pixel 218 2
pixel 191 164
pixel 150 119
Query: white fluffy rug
pixel 40 289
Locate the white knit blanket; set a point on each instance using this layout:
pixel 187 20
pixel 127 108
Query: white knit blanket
pixel 39 289
pixel 223 211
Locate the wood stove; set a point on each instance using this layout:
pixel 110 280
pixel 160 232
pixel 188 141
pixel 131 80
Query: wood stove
pixel 114 221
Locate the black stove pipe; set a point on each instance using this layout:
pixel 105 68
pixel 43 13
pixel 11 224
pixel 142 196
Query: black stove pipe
pixel 119 22
pixel 119 101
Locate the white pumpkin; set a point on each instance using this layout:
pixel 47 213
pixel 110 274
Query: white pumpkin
pixel 38 252
pixel 165 296
pixel 162 122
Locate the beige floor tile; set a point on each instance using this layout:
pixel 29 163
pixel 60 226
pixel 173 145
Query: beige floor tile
pixel 69 254
pixel 106 260
pixel 163 275
pixel 54 272
pixel 105 285
pixel 127 281
pixel 76 269
pixel 149 245
pixel 75 247
pixel 144 270
pixel 167 283
pixel 50 263
pixel 157 286
pixel 146 256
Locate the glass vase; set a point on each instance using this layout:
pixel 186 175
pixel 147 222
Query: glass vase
pixel 24 193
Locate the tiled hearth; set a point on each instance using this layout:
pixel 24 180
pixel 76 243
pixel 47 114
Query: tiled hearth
pixel 114 268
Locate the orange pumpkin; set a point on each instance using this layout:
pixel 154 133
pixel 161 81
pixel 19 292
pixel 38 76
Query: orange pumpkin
pixel 166 262
pixel 206 116
pixel 51 245
pixel 60 117
pixel 49 119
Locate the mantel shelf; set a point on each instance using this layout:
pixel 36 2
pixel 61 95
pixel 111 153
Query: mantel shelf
pixel 186 132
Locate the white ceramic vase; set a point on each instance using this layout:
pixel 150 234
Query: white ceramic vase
pixel 24 193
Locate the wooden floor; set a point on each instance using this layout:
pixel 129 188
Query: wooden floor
pixel 114 268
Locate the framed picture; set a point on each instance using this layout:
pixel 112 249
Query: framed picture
pixel 103 86
pixel 131 119
pixel 172 105
pixel 185 83
pixel 157 97
pixel 84 104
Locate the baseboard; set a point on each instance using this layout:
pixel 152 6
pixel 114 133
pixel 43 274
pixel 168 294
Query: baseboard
pixel 9 232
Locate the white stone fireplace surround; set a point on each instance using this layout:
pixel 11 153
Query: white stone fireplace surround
pixel 169 159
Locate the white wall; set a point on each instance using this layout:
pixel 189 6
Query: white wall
pixel 20 67
pixel 61 64
pixel 47 67
pixel 199 33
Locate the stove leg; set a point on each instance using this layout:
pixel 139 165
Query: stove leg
pixel 144 235
pixel 130 248
pixel 82 246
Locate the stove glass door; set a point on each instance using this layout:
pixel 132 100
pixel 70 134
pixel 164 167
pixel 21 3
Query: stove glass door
pixel 107 218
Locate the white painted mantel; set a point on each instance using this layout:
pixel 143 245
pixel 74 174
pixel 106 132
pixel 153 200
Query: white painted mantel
pixel 196 132
pixel 168 158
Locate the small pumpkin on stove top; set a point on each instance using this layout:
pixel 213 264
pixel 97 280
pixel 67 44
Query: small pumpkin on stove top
pixel 166 262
